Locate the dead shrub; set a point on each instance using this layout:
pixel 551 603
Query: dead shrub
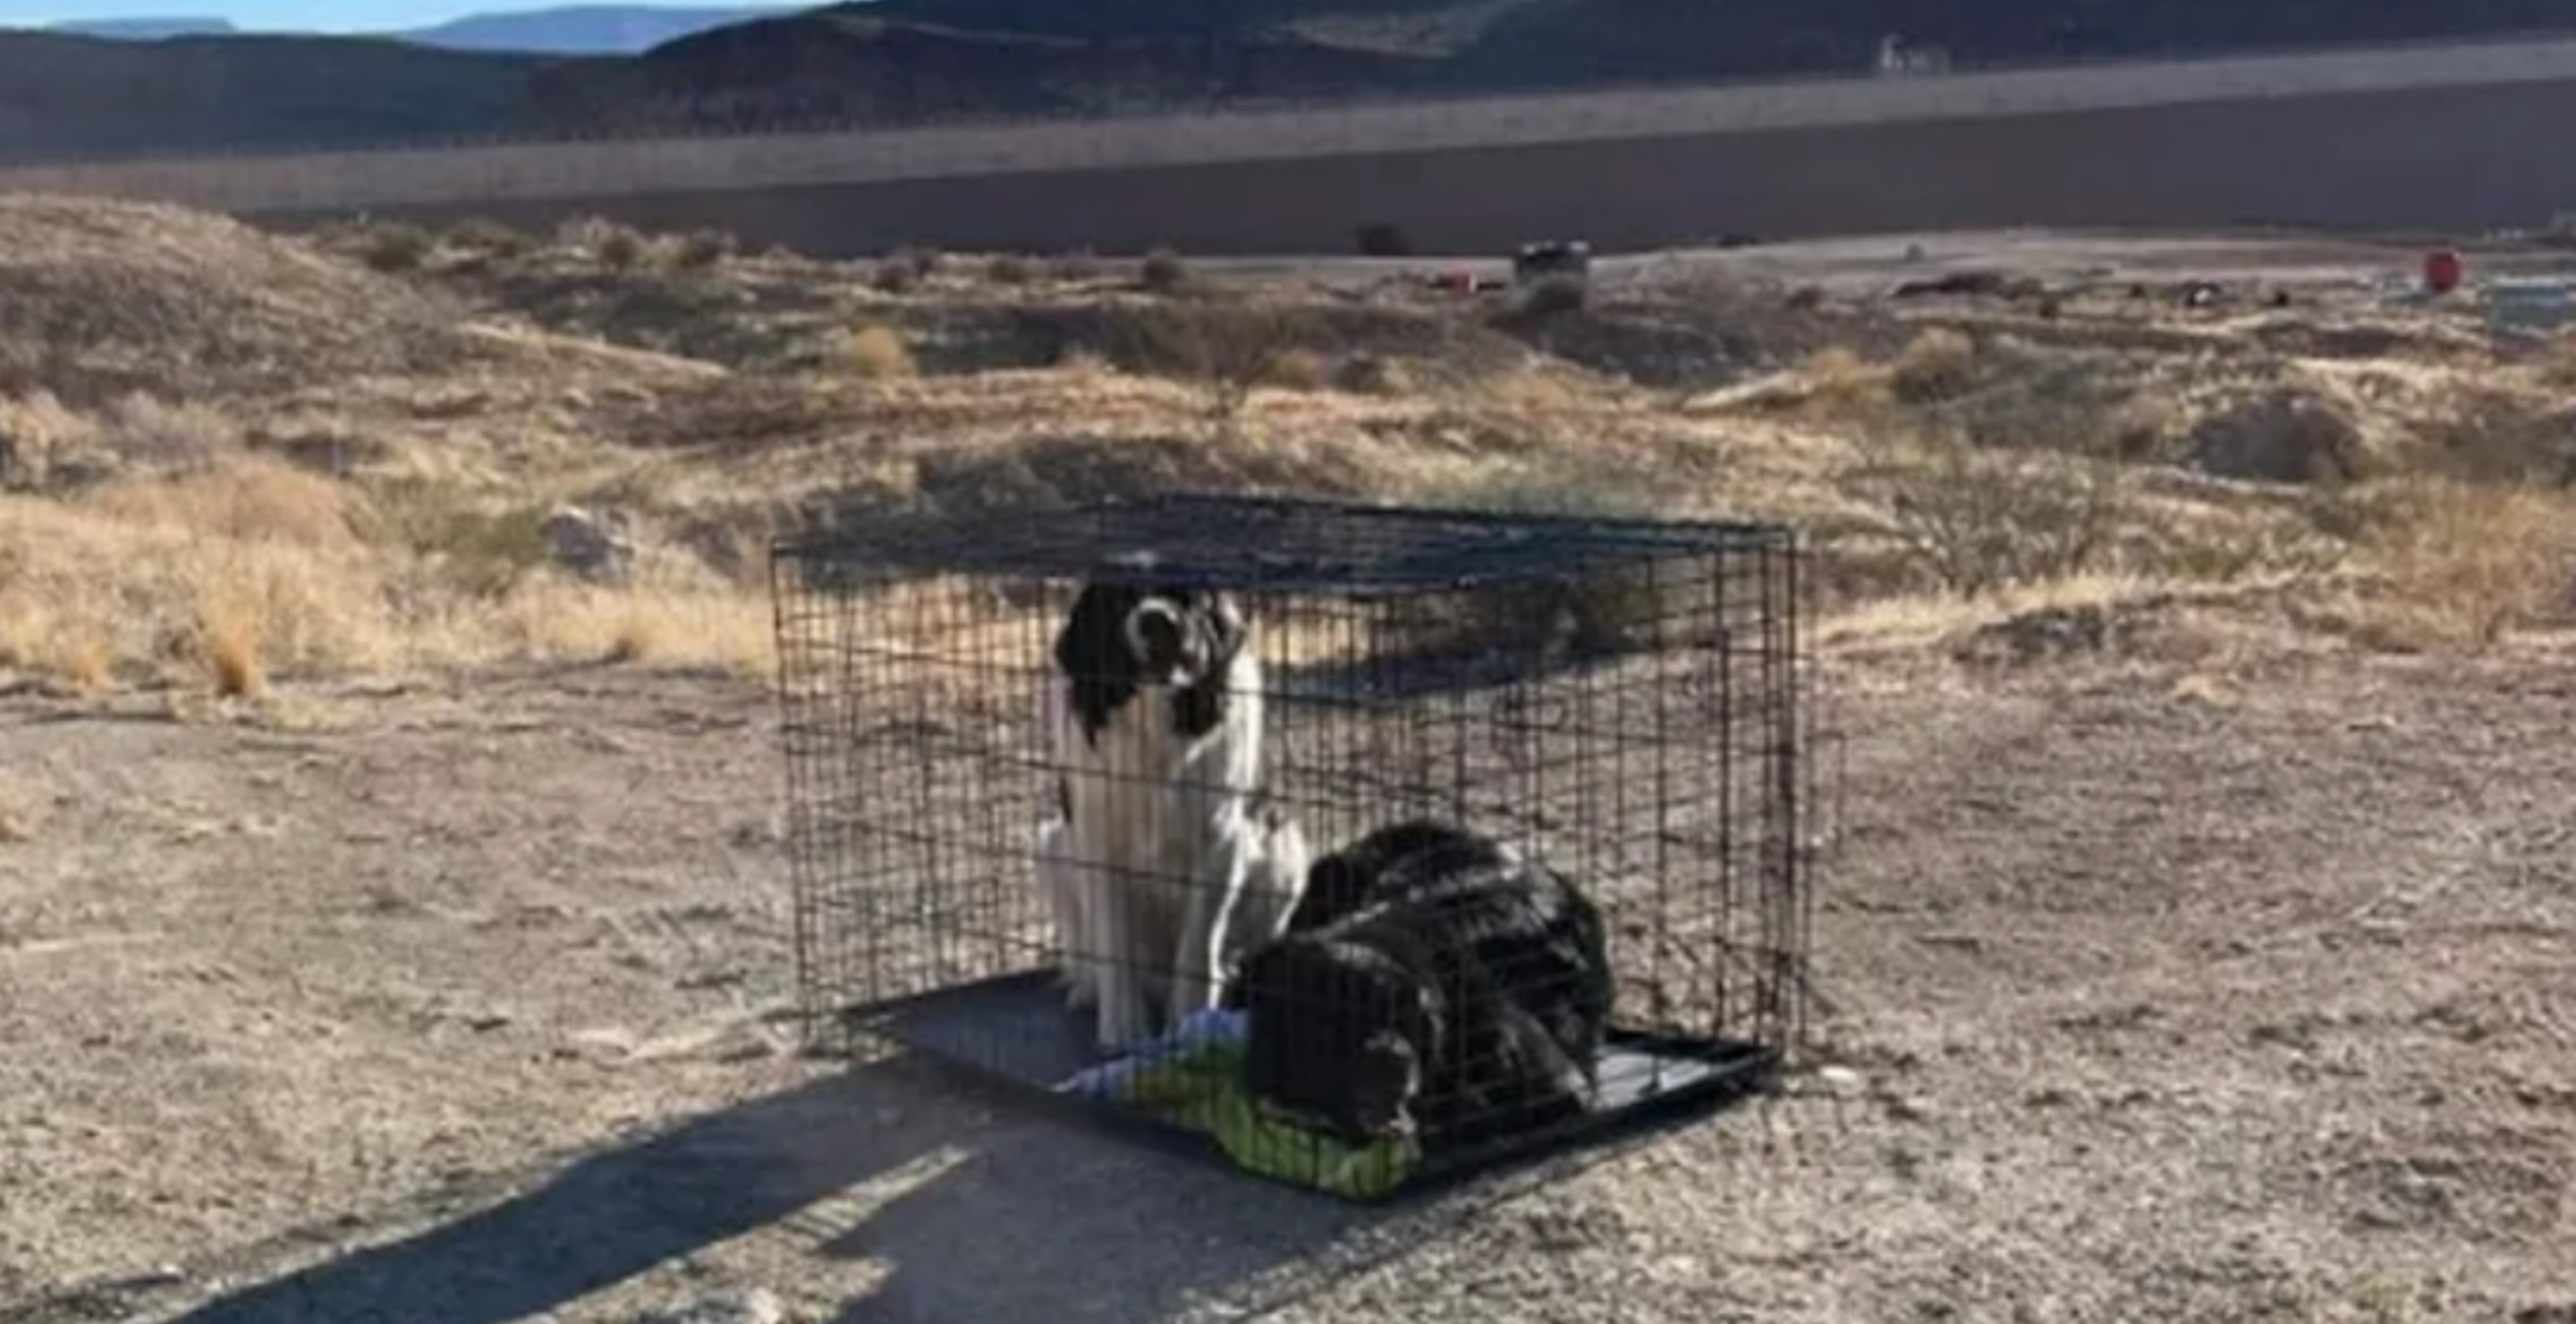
pixel 2063 412
pixel 1372 374
pixel 2282 436
pixel 1297 369
pixel 142 429
pixel 893 278
pixel 876 353
pixel 1009 269
pixel 2498 437
pixel 1163 272
pixel 615 246
pixel 1054 472
pixel 475 548
pixel 1937 365
pixel 2558 361
pixel 622 250
pixel 39 437
pixel 396 246
pixel 1975 521
pixel 1598 611
pixel 482 234
pixel 1228 350
pixel 703 249
pixel 923 263
pixel 1079 265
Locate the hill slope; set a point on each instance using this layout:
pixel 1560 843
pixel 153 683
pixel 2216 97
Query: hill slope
pixel 846 63
pixel 71 96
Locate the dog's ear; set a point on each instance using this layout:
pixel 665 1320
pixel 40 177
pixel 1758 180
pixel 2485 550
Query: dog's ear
pixel 1094 635
pixel 1074 643
pixel 1227 629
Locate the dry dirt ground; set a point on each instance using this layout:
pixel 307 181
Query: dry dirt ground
pixel 2216 971
pixel 2155 997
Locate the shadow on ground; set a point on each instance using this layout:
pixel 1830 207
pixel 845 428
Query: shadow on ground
pixel 977 1208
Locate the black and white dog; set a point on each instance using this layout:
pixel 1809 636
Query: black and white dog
pixel 1432 980
pixel 1160 862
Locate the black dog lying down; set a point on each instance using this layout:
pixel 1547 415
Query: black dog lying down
pixel 1430 979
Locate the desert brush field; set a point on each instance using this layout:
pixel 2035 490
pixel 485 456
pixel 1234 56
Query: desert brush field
pixel 392 919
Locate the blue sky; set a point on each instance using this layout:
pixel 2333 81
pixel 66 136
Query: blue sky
pixel 291 15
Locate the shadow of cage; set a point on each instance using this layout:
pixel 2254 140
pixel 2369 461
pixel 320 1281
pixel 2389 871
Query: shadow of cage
pixel 1613 720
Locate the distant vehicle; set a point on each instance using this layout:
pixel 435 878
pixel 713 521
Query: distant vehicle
pixel 1553 259
pixel 1898 58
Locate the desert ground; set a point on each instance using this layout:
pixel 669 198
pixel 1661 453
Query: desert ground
pixel 393 923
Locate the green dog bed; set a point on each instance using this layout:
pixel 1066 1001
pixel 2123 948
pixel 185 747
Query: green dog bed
pixel 1192 1078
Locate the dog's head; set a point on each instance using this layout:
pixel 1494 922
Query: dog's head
pixel 1126 630
pixel 1338 1031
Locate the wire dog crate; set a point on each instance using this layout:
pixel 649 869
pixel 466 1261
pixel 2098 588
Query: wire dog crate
pixel 1621 701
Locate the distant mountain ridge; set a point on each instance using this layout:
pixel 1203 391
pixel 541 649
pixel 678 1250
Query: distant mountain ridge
pixel 583 29
pixel 606 68
pixel 146 29
pixel 579 29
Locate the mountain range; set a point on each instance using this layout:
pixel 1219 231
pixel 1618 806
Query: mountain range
pixel 610 68
pixel 561 30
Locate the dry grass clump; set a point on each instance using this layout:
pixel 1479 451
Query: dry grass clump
pixel 2464 564
pixel 240 499
pixel 689 622
pixel 55 447
pixel 167 581
pixel 1838 382
pixel 876 353
pixel 248 571
pixel 1938 364
pixel 2558 361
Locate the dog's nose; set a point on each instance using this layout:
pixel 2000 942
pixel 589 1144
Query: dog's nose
pixel 1156 628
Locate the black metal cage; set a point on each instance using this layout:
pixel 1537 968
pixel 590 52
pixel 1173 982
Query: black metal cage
pixel 1622 701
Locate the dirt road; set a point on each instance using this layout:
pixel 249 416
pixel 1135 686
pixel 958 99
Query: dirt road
pixel 2157 998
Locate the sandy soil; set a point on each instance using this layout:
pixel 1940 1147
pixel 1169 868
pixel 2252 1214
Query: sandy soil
pixel 2156 997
